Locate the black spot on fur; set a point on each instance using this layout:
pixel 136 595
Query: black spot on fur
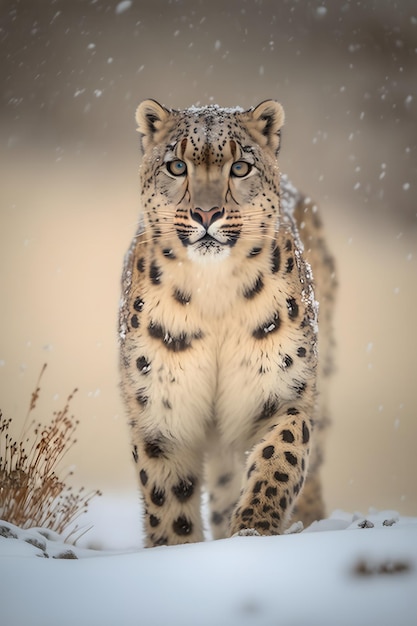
pixel 246 513
pixel 158 496
pixel 268 451
pixel 292 460
pixel 251 469
pixel 177 343
pixel 271 326
pixel 154 449
pixel 287 361
pixel 269 408
pixel 281 477
pixel 143 477
pixel 276 260
pixel 143 365
pixel 255 252
pixel 283 503
pixel 251 292
pixel 296 489
pixel 155 273
pixel 288 245
pixel 138 304
pixel 262 525
pixel 154 521
pixel 168 253
pixel 258 486
pixel 292 307
pixel 216 518
pixel 141 397
pixel 306 433
pixel 141 264
pixel 181 296
pixel 156 331
pixel 134 321
pixel 182 526
pixel 287 436
pixel 290 265
pixel 135 454
pixel 301 352
pixel 271 492
pixel 299 387
pixel 184 489
pixel 293 411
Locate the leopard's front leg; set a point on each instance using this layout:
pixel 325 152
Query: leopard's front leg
pixel 276 471
pixel 170 482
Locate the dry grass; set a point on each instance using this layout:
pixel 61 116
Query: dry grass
pixel 31 492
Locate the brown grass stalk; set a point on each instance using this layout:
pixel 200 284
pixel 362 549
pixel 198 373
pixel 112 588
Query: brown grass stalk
pixel 31 492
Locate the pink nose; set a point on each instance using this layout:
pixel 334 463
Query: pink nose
pixel 206 218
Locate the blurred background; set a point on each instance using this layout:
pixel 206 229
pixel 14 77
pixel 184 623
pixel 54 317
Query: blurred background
pixel 72 74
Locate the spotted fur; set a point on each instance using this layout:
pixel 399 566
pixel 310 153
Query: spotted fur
pixel 219 327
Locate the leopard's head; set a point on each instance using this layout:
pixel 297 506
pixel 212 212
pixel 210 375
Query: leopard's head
pixel 209 176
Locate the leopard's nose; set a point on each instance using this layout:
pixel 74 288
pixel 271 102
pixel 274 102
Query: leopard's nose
pixel 206 218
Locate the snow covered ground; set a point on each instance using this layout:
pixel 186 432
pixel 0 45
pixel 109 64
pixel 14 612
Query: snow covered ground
pixel 346 570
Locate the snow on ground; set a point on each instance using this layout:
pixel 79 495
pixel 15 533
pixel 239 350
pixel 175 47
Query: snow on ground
pixel 345 570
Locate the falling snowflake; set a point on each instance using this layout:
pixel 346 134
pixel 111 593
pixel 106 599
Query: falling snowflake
pixel 123 6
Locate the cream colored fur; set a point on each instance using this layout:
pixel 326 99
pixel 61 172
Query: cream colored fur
pixel 219 328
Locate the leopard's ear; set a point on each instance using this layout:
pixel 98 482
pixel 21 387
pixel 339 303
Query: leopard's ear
pixel 151 118
pixel 265 124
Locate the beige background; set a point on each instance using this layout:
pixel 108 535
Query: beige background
pixel 72 75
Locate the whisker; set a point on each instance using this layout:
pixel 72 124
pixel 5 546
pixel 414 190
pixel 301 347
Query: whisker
pixel 148 236
pixel 248 221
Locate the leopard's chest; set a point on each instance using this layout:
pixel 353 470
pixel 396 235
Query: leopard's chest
pixel 217 345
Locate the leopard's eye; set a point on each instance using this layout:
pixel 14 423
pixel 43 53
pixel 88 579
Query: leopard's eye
pixel 177 167
pixel 240 169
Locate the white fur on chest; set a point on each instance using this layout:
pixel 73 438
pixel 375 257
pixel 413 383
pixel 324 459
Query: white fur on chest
pixel 225 378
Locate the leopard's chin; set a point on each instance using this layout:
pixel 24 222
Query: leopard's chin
pixel 207 249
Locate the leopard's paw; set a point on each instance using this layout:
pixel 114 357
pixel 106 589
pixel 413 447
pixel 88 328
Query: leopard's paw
pixel 247 532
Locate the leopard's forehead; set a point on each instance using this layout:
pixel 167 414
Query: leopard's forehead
pixel 207 118
pixel 208 129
